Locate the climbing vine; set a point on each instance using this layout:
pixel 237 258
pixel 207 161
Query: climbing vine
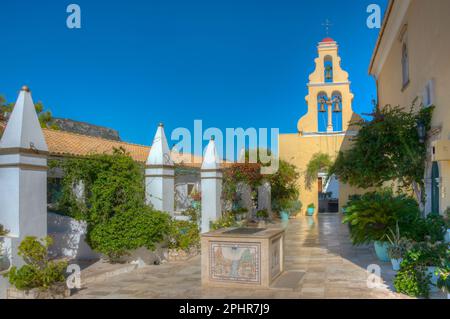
pixel 319 162
pixel 111 201
pixel 387 148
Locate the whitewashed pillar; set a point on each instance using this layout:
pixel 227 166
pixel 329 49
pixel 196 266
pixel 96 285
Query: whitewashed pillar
pixel 23 175
pixel 211 186
pixel 160 174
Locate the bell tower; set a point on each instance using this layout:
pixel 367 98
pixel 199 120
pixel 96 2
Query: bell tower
pixel 329 98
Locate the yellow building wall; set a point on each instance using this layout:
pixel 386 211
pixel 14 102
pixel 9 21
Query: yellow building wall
pixel 427 34
pixel 298 150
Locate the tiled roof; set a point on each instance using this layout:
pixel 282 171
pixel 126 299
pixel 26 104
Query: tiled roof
pixel 72 144
pixel 61 143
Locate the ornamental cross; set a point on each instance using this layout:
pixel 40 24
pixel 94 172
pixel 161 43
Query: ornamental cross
pixel 327 24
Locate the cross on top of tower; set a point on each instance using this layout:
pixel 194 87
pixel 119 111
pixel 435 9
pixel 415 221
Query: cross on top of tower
pixel 327 24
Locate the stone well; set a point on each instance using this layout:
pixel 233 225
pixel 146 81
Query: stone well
pixel 242 257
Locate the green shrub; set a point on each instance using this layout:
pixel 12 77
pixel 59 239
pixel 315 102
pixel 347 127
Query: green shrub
pixel 226 221
pixel 193 213
pixel 372 215
pixel 38 272
pixel 184 235
pixel 262 213
pixel 311 206
pixel 432 228
pixel 129 230
pixel 114 207
pixel 412 278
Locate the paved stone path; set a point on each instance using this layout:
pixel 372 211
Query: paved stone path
pixel 317 247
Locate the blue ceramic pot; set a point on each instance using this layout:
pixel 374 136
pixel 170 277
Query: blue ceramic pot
pixel 284 216
pixel 381 249
pixel 310 211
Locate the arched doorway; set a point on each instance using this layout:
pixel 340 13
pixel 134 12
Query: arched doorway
pixel 435 188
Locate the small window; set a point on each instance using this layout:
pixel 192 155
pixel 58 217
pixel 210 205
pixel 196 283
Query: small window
pixel 428 94
pixel 405 64
pixel 328 69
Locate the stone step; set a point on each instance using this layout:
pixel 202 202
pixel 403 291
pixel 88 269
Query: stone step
pixel 101 271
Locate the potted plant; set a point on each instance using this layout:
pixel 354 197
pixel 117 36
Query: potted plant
pixel 371 215
pixel 39 278
pixel 262 214
pixel 310 209
pixel 443 281
pixel 397 248
pixel 196 198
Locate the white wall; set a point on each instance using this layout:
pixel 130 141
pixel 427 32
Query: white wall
pixel 69 238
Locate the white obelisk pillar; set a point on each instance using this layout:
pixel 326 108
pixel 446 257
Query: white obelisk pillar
pixel 23 175
pixel 211 187
pixel 160 174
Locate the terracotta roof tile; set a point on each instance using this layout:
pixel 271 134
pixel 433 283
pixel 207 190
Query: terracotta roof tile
pixel 61 143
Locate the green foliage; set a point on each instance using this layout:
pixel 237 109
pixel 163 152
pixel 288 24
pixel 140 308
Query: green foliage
pixel 129 230
pixel 432 229
pixel 319 162
pixel 284 185
pixel 386 148
pixel 311 206
pixel 226 221
pixel 113 183
pixel 412 278
pixel 194 214
pixel 39 271
pixel 114 205
pixel 371 215
pixel 3 230
pixel 184 235
pixel 398 245
pixel 262 213
pixel 444 277
pixel 45 117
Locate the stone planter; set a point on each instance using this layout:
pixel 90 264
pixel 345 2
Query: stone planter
pixel 59 291
pixel 181 255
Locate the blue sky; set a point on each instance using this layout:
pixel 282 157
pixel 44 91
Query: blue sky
pixel 233 63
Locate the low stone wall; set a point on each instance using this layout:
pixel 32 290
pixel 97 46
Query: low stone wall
pixel 56 292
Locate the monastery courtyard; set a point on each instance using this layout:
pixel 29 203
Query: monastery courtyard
pixel 320 263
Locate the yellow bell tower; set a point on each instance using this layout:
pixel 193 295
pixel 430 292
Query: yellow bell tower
pixel 328 93
pixel 325 128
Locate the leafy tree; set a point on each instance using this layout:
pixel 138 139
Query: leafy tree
pixel 387 148
pixel 284 185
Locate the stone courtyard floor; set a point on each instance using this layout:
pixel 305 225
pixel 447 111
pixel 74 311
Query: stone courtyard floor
pixel 320 262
